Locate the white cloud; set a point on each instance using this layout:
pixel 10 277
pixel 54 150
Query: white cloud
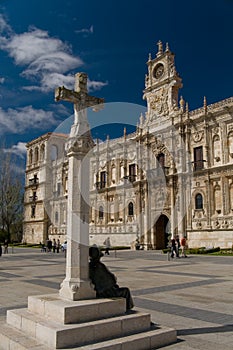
pixel 36 45
pixel 95 85
pixel 46 63
pixel 51 81
pixel 19 149
pixel 85 30
pixel 47 60
pixel 4 27
pixel 44 56
pixel 20 120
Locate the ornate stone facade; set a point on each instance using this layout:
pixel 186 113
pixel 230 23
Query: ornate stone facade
pixel 174 175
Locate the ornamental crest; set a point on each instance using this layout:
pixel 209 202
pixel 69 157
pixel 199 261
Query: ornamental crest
pixel 197 136
pixel 159 102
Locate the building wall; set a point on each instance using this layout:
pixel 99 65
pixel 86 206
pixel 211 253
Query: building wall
pixel 43 154
pixel 174 175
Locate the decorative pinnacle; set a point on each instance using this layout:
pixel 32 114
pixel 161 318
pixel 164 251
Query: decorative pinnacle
pixel 160 48
pixel 167 47
pixel 149 58
pixel 205 104
pixel 182 101
pixel 141 119
pixel 187 110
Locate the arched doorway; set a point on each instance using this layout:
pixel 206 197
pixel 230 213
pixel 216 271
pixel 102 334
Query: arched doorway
pixel 161 232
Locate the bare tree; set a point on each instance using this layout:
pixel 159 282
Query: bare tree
pixel 11 197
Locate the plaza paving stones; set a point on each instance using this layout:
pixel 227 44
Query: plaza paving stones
pixel 193 295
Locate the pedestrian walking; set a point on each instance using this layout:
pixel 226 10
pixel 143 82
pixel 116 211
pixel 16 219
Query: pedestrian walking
pixel 6 247
pixel 0 249
pixel 173 247
pixel 64 248
pixel 49 245
pixel 54 245
pixel 58 245
pixel 183 244
pixel 177 246
pixel 43 248
pixel 107 244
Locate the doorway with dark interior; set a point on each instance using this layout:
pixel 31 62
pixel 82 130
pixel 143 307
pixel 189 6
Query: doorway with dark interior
pixel 161 232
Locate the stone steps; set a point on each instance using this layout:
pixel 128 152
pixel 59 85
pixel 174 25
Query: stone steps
pixel 53 307
pixel 57 335
pixel 13 339
pixel 51 322
pixel 153 339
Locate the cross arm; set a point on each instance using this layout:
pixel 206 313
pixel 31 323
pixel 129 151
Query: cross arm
pixel 95 102
pixel 61 93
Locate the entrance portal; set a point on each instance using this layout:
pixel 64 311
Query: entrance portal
pixel 161 232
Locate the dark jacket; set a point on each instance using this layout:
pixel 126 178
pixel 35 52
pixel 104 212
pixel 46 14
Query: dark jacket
pixel 100 276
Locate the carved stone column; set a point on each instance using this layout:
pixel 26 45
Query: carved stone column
pixel 76 284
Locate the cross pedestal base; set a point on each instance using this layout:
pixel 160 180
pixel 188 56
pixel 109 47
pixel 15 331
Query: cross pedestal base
pixel 76 290
pixel 50 322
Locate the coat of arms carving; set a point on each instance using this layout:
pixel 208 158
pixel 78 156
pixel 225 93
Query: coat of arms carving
pixel 159 102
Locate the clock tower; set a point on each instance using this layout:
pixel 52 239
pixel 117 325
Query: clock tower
pixel 162 86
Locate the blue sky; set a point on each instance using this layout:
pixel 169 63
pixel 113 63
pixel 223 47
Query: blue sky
pixel 44 43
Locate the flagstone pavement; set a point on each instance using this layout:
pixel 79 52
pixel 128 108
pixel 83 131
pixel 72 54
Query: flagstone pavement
pixel 192 295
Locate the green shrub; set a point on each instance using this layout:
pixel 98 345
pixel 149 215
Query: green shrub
pixel 166 250
pixel 212 250
pixel 203 250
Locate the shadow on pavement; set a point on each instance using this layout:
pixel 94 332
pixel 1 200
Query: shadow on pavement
pixel 220 329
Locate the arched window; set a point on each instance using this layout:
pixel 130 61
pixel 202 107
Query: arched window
pixel 216 149
pixel 101 212
pixel 130 209
pixel 199 201
pixel 36 154
pixel 113 174
pixel 56 217
pixel 30 156
pixel 217 198
pixel 161 159
pixel 53 152
pixel 42 152
pixel 231 197
pixel 230 145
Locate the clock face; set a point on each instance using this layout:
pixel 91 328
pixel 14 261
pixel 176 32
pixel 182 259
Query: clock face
pixel 158 71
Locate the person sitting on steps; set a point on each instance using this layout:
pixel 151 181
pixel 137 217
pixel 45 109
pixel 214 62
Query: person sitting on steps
pixel 104 281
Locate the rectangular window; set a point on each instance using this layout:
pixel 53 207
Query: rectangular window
pixel 33 211
pixel 161 160
pixel 198 158
pixel 59 189
pixel 103 179
pixel 132 172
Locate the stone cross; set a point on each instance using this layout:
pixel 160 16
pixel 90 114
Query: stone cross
pixel 76 285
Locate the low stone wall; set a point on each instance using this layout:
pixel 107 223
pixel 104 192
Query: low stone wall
pixel 210 239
